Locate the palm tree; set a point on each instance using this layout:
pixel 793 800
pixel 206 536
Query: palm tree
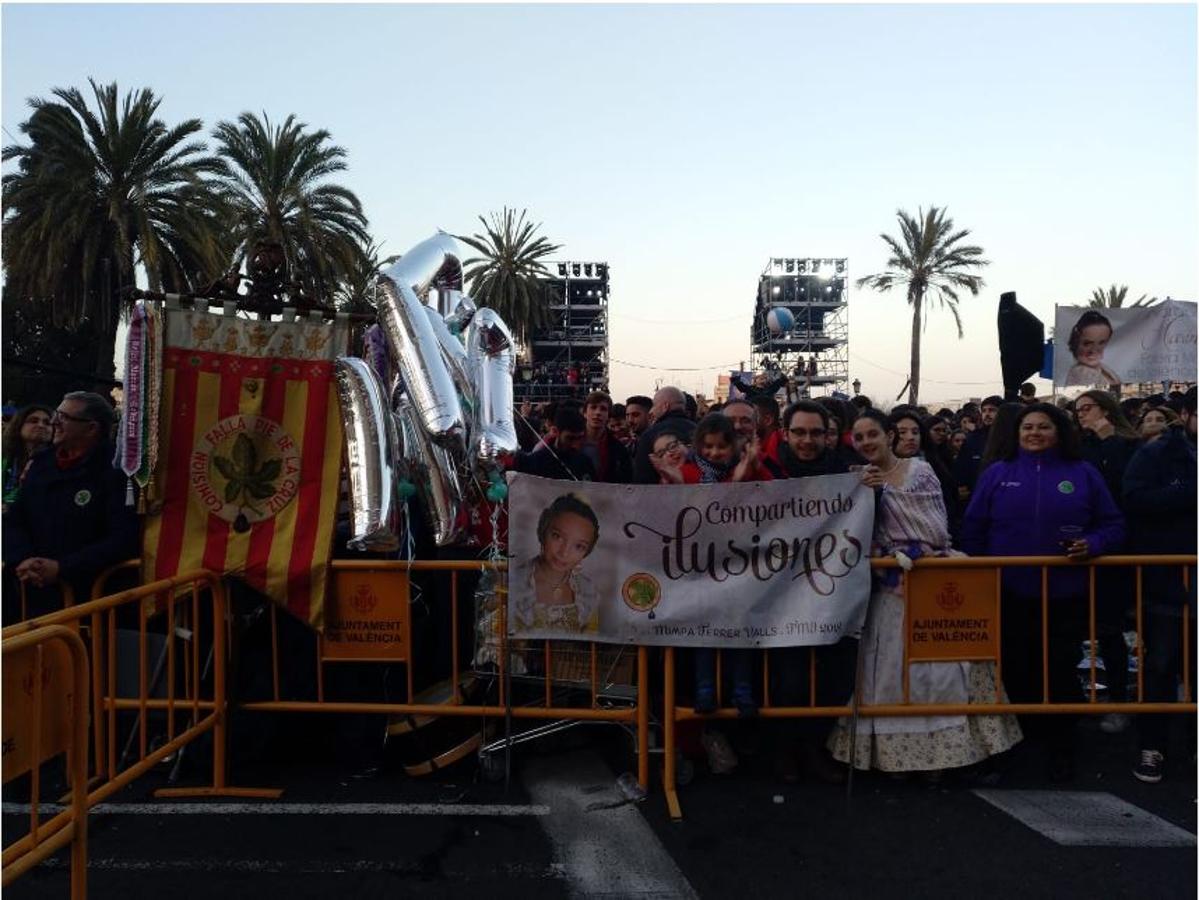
pixel 355 291
pixel 95 195
pixel 509 274
pixel 274 192
pixel 1114 297
pixel 928 256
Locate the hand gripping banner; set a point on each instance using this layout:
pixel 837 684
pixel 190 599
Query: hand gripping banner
pixel 757 564
pixel 250 455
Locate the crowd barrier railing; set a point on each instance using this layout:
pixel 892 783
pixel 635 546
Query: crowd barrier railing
pixel 367 597
pixel 35 678
pixel 989 571
pixel 192 683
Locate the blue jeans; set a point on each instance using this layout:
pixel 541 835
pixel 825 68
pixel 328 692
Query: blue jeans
pixel 740 665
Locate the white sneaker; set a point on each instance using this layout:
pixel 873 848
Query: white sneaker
pixel 721 758
pixel 1115 723
pixel 1150 768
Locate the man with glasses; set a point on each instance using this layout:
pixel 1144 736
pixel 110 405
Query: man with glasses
pixel 71 519
pixel 801 742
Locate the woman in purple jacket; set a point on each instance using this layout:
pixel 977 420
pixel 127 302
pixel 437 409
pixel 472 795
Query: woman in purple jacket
pixel 1043 500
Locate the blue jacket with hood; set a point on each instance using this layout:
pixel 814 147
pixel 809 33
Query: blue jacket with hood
pixel 1018 507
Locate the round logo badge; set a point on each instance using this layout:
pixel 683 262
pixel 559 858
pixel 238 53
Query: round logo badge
pixel 245 469
pixel 1066 487
pixel 83 498
pixel 641 592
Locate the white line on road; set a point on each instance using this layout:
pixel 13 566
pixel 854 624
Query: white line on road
pixel 294 809
pixel 605 849
pixel 1088 819
pixel 306 867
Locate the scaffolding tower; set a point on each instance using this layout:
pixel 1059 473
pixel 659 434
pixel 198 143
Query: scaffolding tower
pixel 569 356
pixel 815 350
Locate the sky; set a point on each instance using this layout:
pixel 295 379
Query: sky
pixel 687 145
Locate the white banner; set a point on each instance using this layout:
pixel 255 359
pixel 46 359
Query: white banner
pixel 755 564
pixel 1101 347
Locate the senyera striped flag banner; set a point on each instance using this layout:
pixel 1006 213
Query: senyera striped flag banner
pixel 250 455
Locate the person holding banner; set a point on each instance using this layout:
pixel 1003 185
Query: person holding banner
pixel 910 523
pixel 559 596
pixel 713 460
pixel 804 454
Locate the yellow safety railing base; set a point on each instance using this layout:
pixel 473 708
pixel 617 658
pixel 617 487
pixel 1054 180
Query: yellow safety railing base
pixel 258 793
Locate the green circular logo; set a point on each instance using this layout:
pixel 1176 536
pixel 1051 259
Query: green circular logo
pixel 83 498
pixel 1066 487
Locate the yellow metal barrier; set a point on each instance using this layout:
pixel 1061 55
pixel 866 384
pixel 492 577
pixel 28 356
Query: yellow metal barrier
pixel 203 713
pixel 369 590
pixel 992 568
pixel 31 737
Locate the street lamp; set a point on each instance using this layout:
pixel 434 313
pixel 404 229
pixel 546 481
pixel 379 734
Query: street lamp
pixel 857 387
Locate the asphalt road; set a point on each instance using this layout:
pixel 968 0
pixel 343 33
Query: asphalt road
pixel 560 828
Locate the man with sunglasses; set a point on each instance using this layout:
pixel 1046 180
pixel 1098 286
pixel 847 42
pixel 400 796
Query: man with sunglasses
pixel 71 520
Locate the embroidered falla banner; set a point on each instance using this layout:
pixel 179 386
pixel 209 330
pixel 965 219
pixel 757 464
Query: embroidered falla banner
pixel 759 564
pixel 250 454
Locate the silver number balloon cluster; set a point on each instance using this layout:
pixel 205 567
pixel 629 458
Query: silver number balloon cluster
pixel 448 416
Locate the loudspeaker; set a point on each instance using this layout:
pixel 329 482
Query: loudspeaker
pixel 1021 344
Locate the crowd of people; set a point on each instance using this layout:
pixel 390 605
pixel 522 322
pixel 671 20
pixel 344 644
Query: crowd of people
pixel 1081 478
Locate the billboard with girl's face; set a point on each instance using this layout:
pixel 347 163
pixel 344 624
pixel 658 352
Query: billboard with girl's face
pixel 1108 347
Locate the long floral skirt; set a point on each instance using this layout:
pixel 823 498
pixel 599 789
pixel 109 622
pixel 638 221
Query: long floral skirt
pixel 919 743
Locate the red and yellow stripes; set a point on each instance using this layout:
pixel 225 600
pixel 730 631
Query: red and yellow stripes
pixel 284 556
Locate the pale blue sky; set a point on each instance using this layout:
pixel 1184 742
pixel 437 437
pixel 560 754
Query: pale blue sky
pixel 686 145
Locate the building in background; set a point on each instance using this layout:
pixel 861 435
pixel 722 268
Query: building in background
pixel 568 357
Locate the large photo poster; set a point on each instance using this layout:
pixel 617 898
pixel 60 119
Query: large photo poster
pixel 1106 347
pixel 755 564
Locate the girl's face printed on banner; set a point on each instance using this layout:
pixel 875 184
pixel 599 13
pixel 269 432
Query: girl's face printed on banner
pixel 568 540
pixel 870 440
pixel 715 449
pixel 1092 341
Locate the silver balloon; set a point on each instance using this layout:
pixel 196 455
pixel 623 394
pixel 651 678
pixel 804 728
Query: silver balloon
pixel 412 339
pixel 461 309
pixel 372 445
pixel 492 354
pixel 454 355
pixel 434 470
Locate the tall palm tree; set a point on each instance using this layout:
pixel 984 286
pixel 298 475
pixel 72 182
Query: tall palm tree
pixel 1114 297
pixel 275 192
pixel 98 193
pixel 929 256
pixel 509 274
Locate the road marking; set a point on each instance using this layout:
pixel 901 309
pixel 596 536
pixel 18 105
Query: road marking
pixel 294 809
pixel 307 867
pixel 1088 819
pixel 604 847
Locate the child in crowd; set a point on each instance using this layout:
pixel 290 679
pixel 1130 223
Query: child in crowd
pixel 715 459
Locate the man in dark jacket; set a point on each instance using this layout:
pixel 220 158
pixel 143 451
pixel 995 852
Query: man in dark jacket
pixel 1159 500
pixel 669 416
pixel 802 454
pixel 560 455
pixel 965 467
pixel 72 519
pixel 607 454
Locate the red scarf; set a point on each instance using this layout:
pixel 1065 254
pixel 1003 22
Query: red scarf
pixel 65 459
